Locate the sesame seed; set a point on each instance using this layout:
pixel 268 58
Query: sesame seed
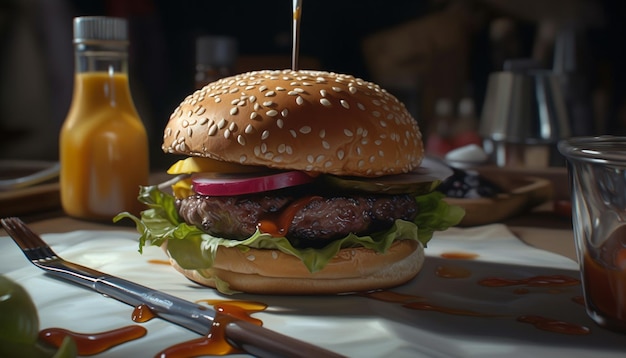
pixel 241 140
pixel 292 93
pixel 252 99
pixel 279 123
pixel 322 133
pixel 305 130
pixel 243 159
pixel 278 88
pixel 222 123
pixel 298 90
pixel 212 130
pixel 249 129
pixel 299 100
pixel 336 89
pixel 284 112
pixel 263 88
pixel 232 127
pixel 256 106
pixel 361 106
pixel 248 88
pixel 270 94
pixel 234 101
pixel 268 103
pixel 323 92
pixel 265 135
pixel 218 100
pixel 185 123
pixel 200 111
pixel 352 89
pixel 325 102
pixel 344 104
pixel 325 144
pixel 189 132
pixel 310 159
pixel 272 113
pixel 204 121
pixel 253 115
pixel 376 114
pixel 348 133
pixel 293 133
pixel 233 111
pixel 227 133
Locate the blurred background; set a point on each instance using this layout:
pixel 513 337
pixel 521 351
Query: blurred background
pixel 435 55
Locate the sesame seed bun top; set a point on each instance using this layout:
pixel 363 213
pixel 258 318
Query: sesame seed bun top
pixel 304 120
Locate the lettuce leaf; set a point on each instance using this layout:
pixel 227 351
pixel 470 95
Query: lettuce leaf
pixel 195 249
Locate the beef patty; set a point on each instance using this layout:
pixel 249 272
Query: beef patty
pixel 312 221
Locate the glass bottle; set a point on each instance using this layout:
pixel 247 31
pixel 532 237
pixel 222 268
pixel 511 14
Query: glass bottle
pixel 103 142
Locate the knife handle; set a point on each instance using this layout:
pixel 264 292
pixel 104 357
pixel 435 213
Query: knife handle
pixel 262 342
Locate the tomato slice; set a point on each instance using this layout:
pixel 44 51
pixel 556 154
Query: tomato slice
pixel 213 184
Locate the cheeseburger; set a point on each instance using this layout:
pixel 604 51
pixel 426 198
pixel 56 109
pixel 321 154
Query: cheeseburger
pixel 294 182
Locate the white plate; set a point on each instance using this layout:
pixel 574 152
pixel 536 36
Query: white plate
pixel 351 325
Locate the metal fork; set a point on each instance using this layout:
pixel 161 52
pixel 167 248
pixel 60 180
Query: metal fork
pixel 253 339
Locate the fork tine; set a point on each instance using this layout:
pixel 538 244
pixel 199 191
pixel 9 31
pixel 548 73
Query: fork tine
pixel 31 244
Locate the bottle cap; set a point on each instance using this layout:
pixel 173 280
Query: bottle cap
pixel 100 28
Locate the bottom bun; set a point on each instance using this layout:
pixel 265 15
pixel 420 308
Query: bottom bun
pixel 274 272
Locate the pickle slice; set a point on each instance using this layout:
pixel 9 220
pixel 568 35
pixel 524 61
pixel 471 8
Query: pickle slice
pixel 422 180
pixel 384 185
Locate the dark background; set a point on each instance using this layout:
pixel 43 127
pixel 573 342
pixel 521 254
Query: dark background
pixel 37 63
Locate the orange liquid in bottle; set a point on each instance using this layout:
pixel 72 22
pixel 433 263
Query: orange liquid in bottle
pixel 103 149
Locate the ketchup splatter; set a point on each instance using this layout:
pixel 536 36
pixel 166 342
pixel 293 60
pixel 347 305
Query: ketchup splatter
pixel 426 306
pixel 457 255
pixel 390 296
pixel 535 281
pixel 556 326
pixel 92 343
pixel 448 271
pixel 278 225
pixel 215 342
pixel 159 262
pixel 142 314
